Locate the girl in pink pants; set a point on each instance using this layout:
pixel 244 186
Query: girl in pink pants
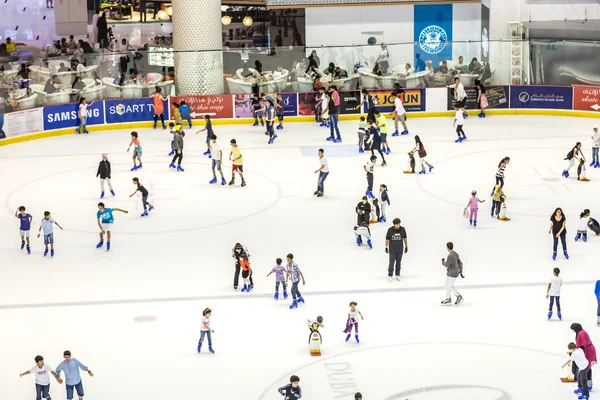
pixel 473 204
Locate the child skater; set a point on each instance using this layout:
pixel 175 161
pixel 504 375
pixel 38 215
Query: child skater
pixel 47 225
pixel 353 320
pixel 381 123
pixel 257 110
pixel 25 227
pixel 106 220
pixel 209 134
pixel 325 100
pixel 279 111
pixel 420 149
pixel 577 356
pixel 473 204
pixel 553 292
pixel 319 98
pixel 572 155
pixel 291 391
pixel 41 372
pixel 362 128
pixel 279 271
pixel 246 273
pixel 496 197
pixel 144 192
pixel 582 228
pixel 384 201
pixel 172 132
pixel 293 272
pixel 205 330
pixel 376 138
pixel 184 110
pixel 361 232
pixel 177 114
pixel 500 173
pixel 104 173
pixel 137 151
pixel 369 168
pixel 459 120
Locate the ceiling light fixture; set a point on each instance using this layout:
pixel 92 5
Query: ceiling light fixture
pixel 247 21
pixel 226 20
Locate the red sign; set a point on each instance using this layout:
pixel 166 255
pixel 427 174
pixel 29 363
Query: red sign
pixel 586 98
pixel 217 106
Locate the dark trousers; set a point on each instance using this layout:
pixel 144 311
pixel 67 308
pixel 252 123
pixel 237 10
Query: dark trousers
pixel 459 130
pixel 162 118
pixel 371 114
pixel 295 292
pixel 333 125
pixel 552 298
pixel 378 148
pixel 369 181
pixel 320 183
pixel 598 311
pixel 42 391
pixel 277 286
pixel 123 64
pixel 145 202
pixel 495 207
pixel 584 376
pixel 563 241
pixel 236 276
pixel 143 11
pixel 270 128
pixel 360 218
pixel 395 260
pixel 178 156
pixel 499 181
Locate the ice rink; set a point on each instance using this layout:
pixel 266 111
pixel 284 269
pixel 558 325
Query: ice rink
pixel 497 345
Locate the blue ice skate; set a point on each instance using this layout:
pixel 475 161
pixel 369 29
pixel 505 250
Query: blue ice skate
pixel 276 296
pixel 458 140
pixel 330 138
pixel 199 348
pixel 358 241
pixel 294 304
pixel 301 300
pixel 578 236
pixel 404 132
pixel 207 152
pixel 395 133
pixel 210 349
pixel 223 181
pixel 151 208
pixel 337 140
pixel 172 153
pixel 356 337
pixel 22 245
pixel 285 295
pixel 347 337
pixel 45 252
pixel 422 172
pixel 559 315
pixel 553 256
pixel 179 169
pixel 213 180
pixel 370 246
pixel 549 315
pixel 172 165
pixel 51 252
pixel 112 192
pixel 107 246
pixel 100 244
pixel 566 254
pixel 430 168
pixel 144 214
pixel 102 195
pixel 28 249
pixel 245 288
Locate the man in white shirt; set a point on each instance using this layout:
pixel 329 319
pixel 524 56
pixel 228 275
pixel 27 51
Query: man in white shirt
pixel 323 172
pixel 399 114
pixel 595 146
pixel 42 378
pixel 460 95
pixel 383 58
pixel 578 357
pixel 217 158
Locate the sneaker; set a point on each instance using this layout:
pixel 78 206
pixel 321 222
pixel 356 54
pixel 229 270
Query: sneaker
pixel 447 301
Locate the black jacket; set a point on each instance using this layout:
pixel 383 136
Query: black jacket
pixel 363 209
pixel 384 197
pixel 103 170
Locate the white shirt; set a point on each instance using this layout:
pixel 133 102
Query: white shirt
pixel 370 167
pixel 579 358
pixel 323 161
pixel 460 118
pixel 399 106
pixel 207 321
pixel 383 56
pixel 353 314
pixel 42 375
pixel 324 103
pixel 596 139
pixel 80 67
pixel 583 224
pixel 216 151
pixel 459 92
pixel 555 285
pixel 83 109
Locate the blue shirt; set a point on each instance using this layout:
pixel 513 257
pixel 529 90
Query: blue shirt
pixel 597 289
pixel 106 217
pixel 25 221
pixel 47 225
pixel 184 110
pixel 71 369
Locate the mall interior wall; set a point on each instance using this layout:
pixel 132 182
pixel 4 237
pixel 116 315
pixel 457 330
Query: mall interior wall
pixel 71 17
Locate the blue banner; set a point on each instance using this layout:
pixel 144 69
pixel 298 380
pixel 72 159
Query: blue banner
pixel 132 110
pixel 550 97
pixel 290 104
pixel 433 33
pixel 65 116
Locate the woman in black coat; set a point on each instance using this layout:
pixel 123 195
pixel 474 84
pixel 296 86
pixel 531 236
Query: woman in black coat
pixel 102 26
pixel 104 173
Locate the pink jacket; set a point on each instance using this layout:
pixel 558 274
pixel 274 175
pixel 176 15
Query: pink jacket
pixel 584 341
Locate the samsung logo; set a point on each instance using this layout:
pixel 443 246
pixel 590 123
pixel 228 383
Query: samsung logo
pixel 71 115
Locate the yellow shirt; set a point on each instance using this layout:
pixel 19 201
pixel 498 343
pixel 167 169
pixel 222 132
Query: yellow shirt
pixel 235 153
pixel 382 121
pixel 10 47
pixel 497 193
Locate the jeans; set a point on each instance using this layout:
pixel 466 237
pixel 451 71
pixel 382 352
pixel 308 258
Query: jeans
pixel 333 125
pixel 188 119
pixel 582 380
pixel 369 181
pixel 270 128
pixel 205 333
pixel 295 292
pixel 495 208
pixel 277 286
pixel 322 177
pixel 78 388
pixel 395 260
pixel 563 240
pixel 595 154
pixel 552 303
pixel 450 289
pixel 42 391
pixel 145 202
pixel 82 124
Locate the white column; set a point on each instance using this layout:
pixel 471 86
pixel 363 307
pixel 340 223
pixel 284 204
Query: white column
pixel 71 17
pixel 198 49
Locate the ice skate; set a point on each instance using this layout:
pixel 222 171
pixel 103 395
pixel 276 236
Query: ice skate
pixel 199 348
pixel 294 304
pixel 330 138
pixel 112 192
pixel 404 132
pixel 447 301
pixel 356 337
pixel 213 180
pixel 475 223
pixel 232 182
pixel 276 296
pixel 179 169
pixel 210 349
pixel 390 279
pixel 223 182
pixel 102 195
pixel 358 241
pixel 384 164
pixel 243 183
pixel 52 253
pixel 395 133
pixel 553 256
pixel 172 165
pixel 559 315
pixel 100 244
pixel 151 208
pixel 347 337
pixel 459 300
pixel 458 140
pixel 549 315
pixel 584 237
pixel 566 254
pixel 398 278
pixel 337 140
pixel 301 300
pixel 430 168
pixel 207 152
pixel 172 153
pixel 28 249
pixel 134 168
pixel 578 236
pixel 285 295
pixel 144 214
pixel 107 246
pixel 245 288
pixel 45 252
pixel 369 243
pixel 22 245
pixel 422 172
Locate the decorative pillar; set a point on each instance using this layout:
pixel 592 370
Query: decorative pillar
pixel 198 49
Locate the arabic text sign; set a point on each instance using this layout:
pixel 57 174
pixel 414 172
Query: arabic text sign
pixel 217 106
pixel 586 98
pixel 549 97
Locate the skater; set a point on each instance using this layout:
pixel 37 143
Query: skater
pixel 41 371
pixel 159 108
pixel 353 315
pixel 558 229
pixel 595 146
pixel 209 134
pixel 178 148
pixel 584 219
pixel 581 171
pixel 399 113
pixel 420 149
pixel 137 151
pixel 205 330
pixel 293 272
pixel 384 201
pixel 396 243
pixel 362 232
pixel 362 128
pixel 473 205
pixel 481 98
pixel 217 160
pixel 246 273
pixel 324 110
pixel 105 221
pixel 172 132
pixel 381 124
pixel 144 192
pixel 279 111
pixel 237 162
pixel 370 102
pixel 257 112
pixel 47 224
pixel 553 293
pixel 291 391
pixel 237 252
pixel 319 99
pixel 71 367
pixel 270 117
pixel 279 271
pixel 82 114
pixel 500 173
pixel 369 168
pixel 184 110
pixel 579 363
pixel 597 293
pixel 572 155
pixel 323 172
pixel 363 211
pixel 454 268
pixel 177 114
pixel 104 173
pixel 583 342
pixel 496 201
pixel 334 109
pixel 24 227
pixel 460 96
pixel 459 120
pixel 375 138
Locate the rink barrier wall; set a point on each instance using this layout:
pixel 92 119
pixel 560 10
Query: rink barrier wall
pixel 129 114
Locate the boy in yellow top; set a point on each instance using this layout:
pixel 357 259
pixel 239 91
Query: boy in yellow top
pixel 10 45
pixel 381 123
pixel 498 193
pixel 237 163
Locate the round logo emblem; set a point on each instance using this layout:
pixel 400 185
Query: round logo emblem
pixel 485 42
pixel 524 97
pixel 432 39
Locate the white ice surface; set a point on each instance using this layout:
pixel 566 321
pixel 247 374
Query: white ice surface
pixel 177 262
